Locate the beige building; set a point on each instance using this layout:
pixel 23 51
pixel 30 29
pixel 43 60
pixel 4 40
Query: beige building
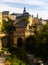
pixel 6 15
pixel 23 26
pixel 0 21
pixel 44 22
pixel 12 17
pixel 1 34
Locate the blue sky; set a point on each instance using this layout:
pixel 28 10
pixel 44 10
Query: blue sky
pixel 32 6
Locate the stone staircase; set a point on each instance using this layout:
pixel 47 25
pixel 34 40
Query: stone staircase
pixel 2 59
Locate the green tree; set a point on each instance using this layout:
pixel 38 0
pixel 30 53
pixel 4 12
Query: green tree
pixel 7 26
pixel 42 41
pixel 30 44
pixel 38 44
pixel 25 19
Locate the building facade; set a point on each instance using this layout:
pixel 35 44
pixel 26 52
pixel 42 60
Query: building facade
pixel 22 26
pixel 0 21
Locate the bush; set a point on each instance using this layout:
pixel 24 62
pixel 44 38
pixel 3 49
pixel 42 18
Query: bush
pixel 20 53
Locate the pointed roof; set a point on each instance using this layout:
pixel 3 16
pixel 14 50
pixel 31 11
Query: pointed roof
pixel 37 15
pixel 24 11
pixel 21 24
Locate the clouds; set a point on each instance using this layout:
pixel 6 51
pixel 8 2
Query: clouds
pixel 9 8
pixel 42 3
pixel 28 2
pixel 33 6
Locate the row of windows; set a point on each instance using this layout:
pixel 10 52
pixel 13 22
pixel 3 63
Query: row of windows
pixel 20 32
pixel 19 35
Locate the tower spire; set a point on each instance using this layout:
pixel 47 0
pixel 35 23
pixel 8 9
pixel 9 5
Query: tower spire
pixel 24 10
pixel 37 15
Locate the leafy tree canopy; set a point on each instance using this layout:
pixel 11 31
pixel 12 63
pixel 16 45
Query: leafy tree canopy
pixel 7 26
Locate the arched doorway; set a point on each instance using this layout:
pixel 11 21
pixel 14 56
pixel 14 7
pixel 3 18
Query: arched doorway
pixel 19 42
pixel 4 41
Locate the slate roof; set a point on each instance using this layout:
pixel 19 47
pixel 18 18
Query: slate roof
pixel 23 15
pixel 21 24
pixel 5 12
pixel 16 14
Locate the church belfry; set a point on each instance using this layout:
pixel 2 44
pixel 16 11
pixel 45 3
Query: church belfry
pixel 24 11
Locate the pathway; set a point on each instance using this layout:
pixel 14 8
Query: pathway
pixel 2 59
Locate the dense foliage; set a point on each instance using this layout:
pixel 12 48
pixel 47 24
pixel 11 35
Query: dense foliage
pixel 7 26
pixel 38 43
pixel 19 53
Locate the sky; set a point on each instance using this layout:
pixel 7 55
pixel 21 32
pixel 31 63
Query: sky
pixel 34 7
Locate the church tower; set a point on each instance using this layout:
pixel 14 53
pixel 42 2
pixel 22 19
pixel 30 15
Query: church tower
pixel 24 11
pixel 37 15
